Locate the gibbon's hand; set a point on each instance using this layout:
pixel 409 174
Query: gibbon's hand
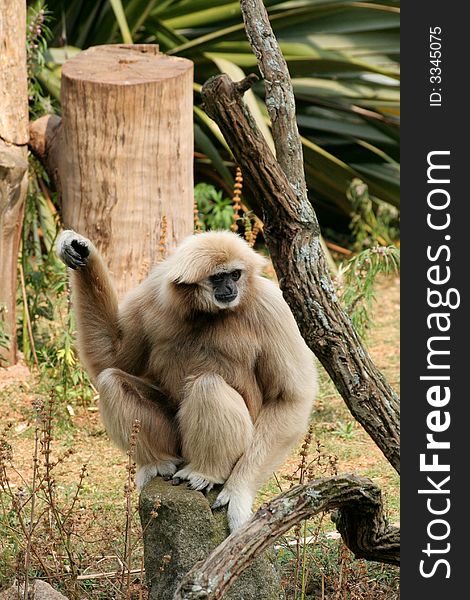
pixel 239 506
pixel 73 249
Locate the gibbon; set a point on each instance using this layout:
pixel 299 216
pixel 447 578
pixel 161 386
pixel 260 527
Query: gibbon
pixel 206 354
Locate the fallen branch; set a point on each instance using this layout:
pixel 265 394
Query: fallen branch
pixel 359 519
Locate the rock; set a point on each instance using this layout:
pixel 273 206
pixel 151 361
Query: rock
pixel 184 532
pixel 39 590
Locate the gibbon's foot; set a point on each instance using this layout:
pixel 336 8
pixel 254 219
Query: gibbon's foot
pixel 165 468
pixel 196 481
pixel 73 249
pixel 239 506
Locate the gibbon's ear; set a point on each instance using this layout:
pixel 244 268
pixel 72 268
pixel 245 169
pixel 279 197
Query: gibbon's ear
pixel 203 254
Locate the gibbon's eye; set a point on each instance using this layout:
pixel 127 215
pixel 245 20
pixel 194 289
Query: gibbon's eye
pixel 217 277
pixel 235 275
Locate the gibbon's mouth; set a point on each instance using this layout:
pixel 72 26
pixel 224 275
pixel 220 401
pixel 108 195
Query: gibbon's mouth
pixel 225 298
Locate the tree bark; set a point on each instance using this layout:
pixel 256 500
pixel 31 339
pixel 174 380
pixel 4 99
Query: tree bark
pixel 13 159
pixel 292 237
pixel 280 100
pixel 359 519
pixel 122 156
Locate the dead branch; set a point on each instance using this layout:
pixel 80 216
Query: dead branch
pixel 280 100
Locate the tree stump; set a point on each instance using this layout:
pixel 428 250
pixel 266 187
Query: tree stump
pixel 124 154
pixel 13 159
pixel 180 530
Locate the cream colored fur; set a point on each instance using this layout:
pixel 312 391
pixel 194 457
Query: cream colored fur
pixel 228 390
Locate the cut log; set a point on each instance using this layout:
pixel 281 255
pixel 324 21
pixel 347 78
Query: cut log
pixel 13 160
pixel 123 155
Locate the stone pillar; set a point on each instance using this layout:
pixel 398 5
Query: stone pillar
pixel 184 532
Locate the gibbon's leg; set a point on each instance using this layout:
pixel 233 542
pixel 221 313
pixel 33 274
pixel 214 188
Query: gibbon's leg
pixel 125 398
pixel 278 427
pixel 215 427
pixel 95 302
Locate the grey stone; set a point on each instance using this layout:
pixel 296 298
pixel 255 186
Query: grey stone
pixel 184 532
pixel 39 590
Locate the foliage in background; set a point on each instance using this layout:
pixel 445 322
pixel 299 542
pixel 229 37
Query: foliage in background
pixel 375 229
pixel 214 211
pixel 357 279
pixel 371 224
pixel 46 323
pixel 343 58
pixel 37 36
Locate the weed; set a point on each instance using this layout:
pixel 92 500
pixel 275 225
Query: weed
pixel 372 222
pixel 345 430
pixel 46 321
pixel 356 282
pixel 49 532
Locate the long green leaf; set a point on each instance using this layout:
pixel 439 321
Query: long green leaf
pixel 122 22
pixel 343 56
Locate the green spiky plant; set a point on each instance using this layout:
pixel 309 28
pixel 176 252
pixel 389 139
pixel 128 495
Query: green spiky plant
pixel 343 58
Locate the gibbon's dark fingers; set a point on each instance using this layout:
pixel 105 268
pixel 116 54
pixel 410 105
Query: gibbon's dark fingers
pixel 73 249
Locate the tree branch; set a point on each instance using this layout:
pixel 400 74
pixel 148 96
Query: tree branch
pixel 292 236
pixel 280 100
pixel 360 520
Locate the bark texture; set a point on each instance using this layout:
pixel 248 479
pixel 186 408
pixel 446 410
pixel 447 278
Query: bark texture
pixel 13 159
pixel 292 235
pixel 359 518
pixel 280 100
pixel 122 155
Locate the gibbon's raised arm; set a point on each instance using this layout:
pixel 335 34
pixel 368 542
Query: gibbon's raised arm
pixel 95 303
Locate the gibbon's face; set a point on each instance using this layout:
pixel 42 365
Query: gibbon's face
pixel 225 288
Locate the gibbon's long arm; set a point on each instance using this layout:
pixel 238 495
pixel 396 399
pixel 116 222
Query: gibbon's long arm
pixel 272 439
pixel 95 302
pixel 287 377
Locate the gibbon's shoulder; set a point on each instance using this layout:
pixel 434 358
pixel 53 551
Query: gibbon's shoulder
pixel 270 306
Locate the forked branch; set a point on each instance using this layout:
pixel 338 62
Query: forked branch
pixel 292 236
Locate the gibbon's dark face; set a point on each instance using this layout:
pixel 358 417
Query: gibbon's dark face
pixel 225 287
